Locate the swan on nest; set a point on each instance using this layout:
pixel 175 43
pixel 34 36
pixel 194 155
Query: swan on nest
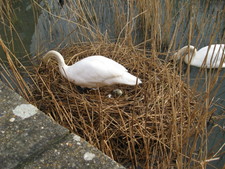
pixel 93 71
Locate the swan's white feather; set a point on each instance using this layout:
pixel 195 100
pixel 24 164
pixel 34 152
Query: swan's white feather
pixel 95 71
pixel 214 54
pixel 208 56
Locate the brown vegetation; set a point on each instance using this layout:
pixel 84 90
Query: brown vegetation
pixel 158 124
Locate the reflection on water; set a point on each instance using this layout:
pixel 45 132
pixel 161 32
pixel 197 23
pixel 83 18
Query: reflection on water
pixel 18 34
pixel 57 26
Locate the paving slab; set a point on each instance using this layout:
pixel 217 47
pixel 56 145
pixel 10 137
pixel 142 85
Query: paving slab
pixel 30 139
pixel 76 153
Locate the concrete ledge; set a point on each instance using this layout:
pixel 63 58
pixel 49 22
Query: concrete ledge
pixel 30 139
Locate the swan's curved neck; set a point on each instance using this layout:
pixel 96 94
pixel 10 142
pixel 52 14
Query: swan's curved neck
pixel 59 58
pixel 56 55
pixel 185 51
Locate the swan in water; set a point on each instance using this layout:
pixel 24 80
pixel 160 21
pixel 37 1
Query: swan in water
pixel 93 71
pixel 208 56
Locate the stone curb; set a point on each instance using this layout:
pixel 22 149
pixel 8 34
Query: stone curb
pixel 30 139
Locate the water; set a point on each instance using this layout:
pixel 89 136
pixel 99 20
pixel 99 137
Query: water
pixel 55 28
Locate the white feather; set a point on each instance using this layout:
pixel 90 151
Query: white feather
pixel 94 71
pixel 208 56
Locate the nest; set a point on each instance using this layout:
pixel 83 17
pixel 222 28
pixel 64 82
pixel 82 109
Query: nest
pixel 148 125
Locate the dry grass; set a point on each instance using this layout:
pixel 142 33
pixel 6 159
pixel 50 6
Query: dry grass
pixel 158 124
pixel 145 125
pixel 6 9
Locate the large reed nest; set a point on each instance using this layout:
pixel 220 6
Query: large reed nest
pixel 148 125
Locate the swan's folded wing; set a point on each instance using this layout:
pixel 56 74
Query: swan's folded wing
pixel 94 70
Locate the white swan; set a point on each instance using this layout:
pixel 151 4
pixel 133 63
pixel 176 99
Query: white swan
pixel 93 71
pixel 208 56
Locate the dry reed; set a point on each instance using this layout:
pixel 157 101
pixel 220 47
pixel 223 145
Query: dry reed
pixel 159 124
pixel 149 125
